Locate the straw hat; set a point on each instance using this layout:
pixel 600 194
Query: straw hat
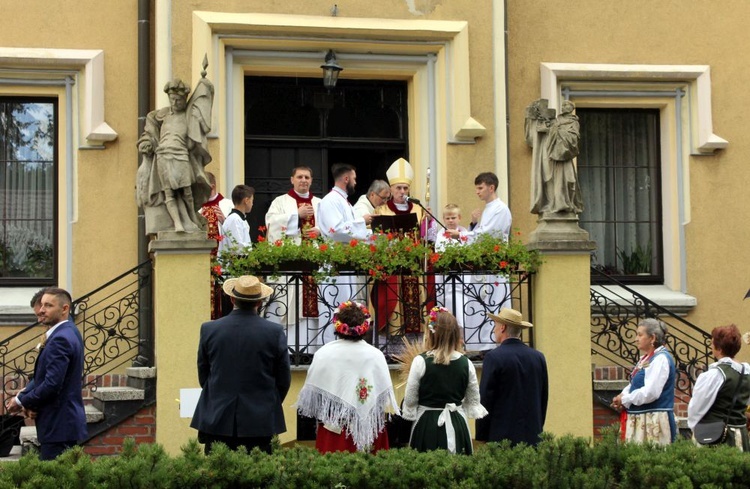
pixel 247 288
pixel 510 317
pixel 400 171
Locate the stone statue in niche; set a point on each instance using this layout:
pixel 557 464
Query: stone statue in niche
pixel 171 184
pixel 554 143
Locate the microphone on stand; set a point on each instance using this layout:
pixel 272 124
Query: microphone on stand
pixel 416 201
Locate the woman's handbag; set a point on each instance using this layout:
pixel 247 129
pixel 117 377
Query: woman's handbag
pixel 715 432
pixel 710 433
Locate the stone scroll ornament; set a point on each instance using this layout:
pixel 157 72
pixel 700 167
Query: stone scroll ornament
pixel 555 144
pixel 171 184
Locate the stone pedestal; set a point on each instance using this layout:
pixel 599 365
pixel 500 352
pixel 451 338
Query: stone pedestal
pixel 562 323
pixel 181 303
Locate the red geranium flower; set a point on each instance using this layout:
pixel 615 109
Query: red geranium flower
pixel 503 264
pixel 373 248
pixel 389 236
pixel 323 247
pixel 353 243
pixel 278 242
pixel 372 272
pixel 261 239
pixel 217 269
pixel 262 229
pixel 313 235
pixel 434 257
pixel 496 248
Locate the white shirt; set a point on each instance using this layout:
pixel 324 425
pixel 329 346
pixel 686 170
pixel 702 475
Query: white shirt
pixel 657 374
pixel 441 241
pixel 496 220
pixel 337 220
pixel 282 218
pixel 236 232
pixel 707 388
pixel 363 206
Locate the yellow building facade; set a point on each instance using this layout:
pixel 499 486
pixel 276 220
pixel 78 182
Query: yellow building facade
pixel 469 69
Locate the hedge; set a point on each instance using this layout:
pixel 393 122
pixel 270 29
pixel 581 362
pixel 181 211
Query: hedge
pixel 564 462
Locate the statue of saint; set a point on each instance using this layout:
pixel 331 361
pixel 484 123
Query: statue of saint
pixel 171 182
pixel 554 142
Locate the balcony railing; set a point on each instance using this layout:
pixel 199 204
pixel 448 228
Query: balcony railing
pixel 614 319
pixel 398 304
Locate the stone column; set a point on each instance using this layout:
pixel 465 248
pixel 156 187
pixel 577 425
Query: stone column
pixel 562 324
pixel 181 304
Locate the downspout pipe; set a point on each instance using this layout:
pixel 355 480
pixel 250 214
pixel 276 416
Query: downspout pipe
pixel 145 300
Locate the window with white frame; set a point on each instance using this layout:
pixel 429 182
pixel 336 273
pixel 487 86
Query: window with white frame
pixel 619 170
pixel 28 190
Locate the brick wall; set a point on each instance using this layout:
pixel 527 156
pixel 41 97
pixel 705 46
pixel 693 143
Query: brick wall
pixel 141 427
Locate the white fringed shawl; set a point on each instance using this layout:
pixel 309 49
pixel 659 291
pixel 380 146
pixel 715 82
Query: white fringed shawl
pixel 348 385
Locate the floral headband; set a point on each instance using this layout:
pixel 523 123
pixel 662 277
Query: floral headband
pixel 433 317
pixel 345 329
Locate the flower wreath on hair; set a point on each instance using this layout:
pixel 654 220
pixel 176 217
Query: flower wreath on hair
pixel 345 329
pixel 433 317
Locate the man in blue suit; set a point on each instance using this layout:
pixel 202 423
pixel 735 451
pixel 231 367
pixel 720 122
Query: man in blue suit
pixel 514 387
pixel 55 395
pixel 243 368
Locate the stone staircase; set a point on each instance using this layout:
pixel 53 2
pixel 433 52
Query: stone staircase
pixel 108 407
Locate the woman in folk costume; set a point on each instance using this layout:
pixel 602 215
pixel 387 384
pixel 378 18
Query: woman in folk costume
pixel 649 399
pixel 442 391
pixel 348 387
pixel 399 297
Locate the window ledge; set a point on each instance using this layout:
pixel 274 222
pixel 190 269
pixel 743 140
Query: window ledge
pixel 677 302
pixel 14 304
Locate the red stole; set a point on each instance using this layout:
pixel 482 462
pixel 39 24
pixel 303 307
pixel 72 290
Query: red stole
pixel 309 288
pixel 392 206
pixel 213 202
pixel 310 221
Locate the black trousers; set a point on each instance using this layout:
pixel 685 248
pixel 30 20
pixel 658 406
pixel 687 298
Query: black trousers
pixel 234 442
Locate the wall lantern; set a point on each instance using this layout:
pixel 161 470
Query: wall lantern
pixel 331 70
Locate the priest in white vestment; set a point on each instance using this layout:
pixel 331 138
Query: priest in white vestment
pixel 295 215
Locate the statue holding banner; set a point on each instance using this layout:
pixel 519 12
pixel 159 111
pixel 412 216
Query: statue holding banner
pixel 171 184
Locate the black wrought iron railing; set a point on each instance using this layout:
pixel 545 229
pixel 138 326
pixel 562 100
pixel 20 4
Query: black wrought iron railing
pixel 108 318
pixel 616 310
pixel 398 304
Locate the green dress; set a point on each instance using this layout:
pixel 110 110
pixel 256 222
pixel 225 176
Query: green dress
pixel 448 390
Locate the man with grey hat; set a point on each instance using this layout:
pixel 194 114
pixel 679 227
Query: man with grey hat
pixel 243 368
pixel 514 385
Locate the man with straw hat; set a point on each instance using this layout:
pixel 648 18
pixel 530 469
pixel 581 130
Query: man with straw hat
pixel 514 387
pixel 243 368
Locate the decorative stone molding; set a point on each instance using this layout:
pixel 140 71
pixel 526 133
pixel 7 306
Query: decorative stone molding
pixel 87 68
pixel 696 77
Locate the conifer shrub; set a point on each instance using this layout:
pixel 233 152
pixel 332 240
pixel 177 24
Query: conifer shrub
pixel 565 462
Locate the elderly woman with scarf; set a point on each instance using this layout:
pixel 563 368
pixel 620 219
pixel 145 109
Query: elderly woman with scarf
pixel 649 399
pixel 348 387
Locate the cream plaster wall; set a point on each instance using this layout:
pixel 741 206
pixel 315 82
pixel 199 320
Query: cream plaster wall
pixel 104 232
pixel 641 32
pixel 464 161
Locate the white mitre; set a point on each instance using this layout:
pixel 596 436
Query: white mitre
pixel 400 171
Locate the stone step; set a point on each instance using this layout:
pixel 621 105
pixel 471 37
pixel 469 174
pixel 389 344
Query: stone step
pixel 15 454
pixel 119 394
pixel 93 415
pixel 610 385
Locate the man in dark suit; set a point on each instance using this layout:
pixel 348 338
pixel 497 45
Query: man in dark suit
pixel 55 395
pixel 514 387
pixel 243 368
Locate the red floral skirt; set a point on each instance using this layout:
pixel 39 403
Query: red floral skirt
pixel 327 441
